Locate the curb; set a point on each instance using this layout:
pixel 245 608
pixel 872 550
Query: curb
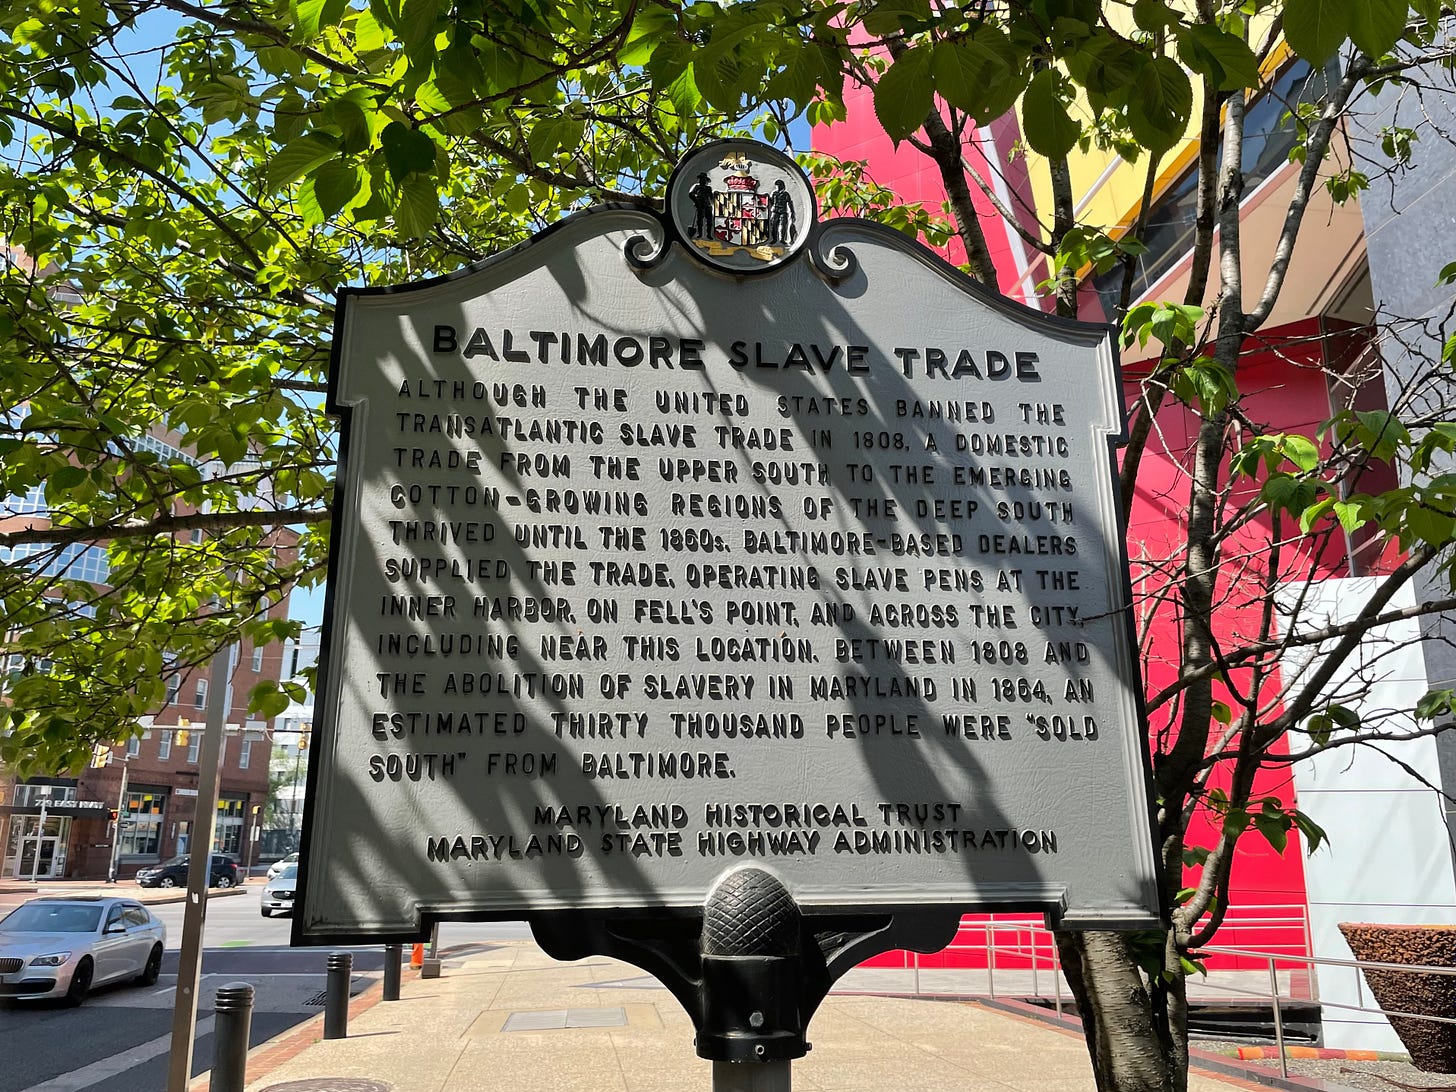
pixel 142 895
pixel 1323 1054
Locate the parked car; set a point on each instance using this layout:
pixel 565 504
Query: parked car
pixel 279 865
pixel 62 946
pixel 173 873
pixel 278 892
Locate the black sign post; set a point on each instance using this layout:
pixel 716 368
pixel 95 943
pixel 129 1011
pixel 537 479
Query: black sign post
pixel 749 968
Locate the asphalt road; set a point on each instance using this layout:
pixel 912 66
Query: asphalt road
pixel 120 1039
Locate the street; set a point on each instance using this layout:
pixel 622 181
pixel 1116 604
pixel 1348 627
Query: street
pixel 120 1039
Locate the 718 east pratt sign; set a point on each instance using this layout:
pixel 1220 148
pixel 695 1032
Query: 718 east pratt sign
pixel 672 542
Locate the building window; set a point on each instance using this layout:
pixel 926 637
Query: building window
pixel 30 796
pixel 193 747
pixel 229 835
pixel 1269 135
pixel 164 746
pixel 200 699
pixel 73 562
pixel 197 536
pixel 133 746
pixel 257 659
pixel 245 754
pixel 141 823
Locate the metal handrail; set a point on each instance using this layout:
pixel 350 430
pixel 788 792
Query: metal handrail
pixel 1034 942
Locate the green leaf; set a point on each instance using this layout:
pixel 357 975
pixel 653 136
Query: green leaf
pixel 904 95
pixel 888 17
pixel 1315 28
pixel 1435 703
pixel 1314 834
pixel 1275 829
pixel 1430 525
pixel 1159 108
pixel 971 75
pixel 1320 727
pixel 417 21
pixel 406 151
pixel 1301 451
pixel 1049 129
pixel 335 184
pixel 1376 25
pixel 298 157
pixel 419 205
pixel 66 478
pixel 1351 515
pixel 683 93
pixel 1221 712
pixel 652 25
pixel 1153 15
pixel 1224 58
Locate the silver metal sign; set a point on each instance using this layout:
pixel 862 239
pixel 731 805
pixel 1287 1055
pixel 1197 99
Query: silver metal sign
pixel 667 543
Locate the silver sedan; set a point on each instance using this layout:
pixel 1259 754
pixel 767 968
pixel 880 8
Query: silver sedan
pixel 63 946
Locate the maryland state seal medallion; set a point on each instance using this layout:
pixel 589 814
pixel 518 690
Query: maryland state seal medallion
pixel 741 206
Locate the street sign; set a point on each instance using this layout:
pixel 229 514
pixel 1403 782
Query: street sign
pixel 667 543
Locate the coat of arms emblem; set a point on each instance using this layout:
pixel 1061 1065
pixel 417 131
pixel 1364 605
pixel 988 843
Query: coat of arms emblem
pixel 741 205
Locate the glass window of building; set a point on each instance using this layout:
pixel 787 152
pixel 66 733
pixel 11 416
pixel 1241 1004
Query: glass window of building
pixel 133 746
pixel 199 700
pixel 257 659
pixel 164 746
pixel 141 822
pixel 245 754
pixel 229 835
pixel 193 746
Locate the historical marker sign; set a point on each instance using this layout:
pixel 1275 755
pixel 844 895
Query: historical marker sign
pixel 670 543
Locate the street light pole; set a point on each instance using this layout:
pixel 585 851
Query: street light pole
pixel 120 818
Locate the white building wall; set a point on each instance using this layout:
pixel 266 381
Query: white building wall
pixel 1388 857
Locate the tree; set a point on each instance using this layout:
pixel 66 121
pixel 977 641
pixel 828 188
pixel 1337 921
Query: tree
pixel 184 184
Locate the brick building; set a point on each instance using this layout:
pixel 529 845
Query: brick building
pixel 69 826
pixel 155 816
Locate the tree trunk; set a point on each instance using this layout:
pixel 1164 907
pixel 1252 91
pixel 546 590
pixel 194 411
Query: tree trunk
pixel 1131 1039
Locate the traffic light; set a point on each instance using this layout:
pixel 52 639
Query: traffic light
pixel 100 756
pixel 115 815
pixel 182 736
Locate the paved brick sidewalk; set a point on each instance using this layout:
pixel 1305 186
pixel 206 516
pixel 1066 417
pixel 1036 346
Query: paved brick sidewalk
pixel 506 1018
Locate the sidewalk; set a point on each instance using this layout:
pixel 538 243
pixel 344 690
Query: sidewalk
pixel 504 1017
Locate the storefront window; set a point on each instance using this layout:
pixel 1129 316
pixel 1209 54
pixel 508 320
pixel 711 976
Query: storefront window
pixel 228 837
pixel 33 849
pixel 141 823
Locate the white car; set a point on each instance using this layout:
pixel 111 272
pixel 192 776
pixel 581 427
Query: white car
pixel 63 946
pixel 278 892
pixel 279 865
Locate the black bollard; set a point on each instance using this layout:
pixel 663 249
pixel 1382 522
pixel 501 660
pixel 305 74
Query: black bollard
pixel 233 1015
pixel 336 995
pixel 393 954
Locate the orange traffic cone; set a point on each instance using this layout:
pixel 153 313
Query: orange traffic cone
pixel 417 956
